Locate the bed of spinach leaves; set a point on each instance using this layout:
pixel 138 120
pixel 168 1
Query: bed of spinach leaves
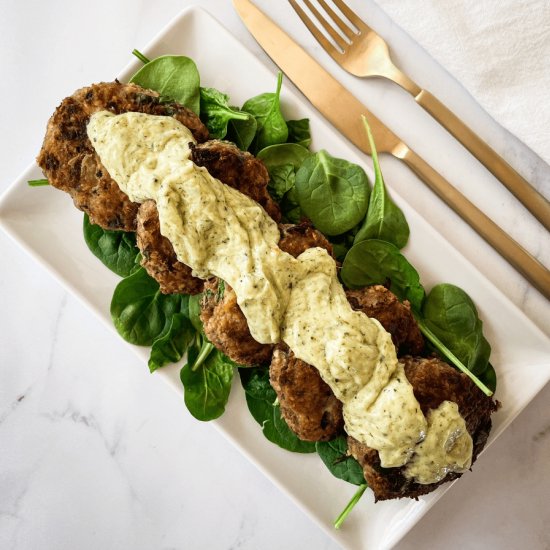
pixel 167 323
pixel 366 228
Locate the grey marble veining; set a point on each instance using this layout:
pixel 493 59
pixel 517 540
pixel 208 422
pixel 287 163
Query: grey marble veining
pixel 97 453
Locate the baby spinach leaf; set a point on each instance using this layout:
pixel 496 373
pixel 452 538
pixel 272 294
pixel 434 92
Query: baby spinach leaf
pixel 452 316
pixel 216 112
pixel 170 346
pixel 206 379
pixel 489 378
pixel 282 161
pixel 116 249
pixel 373 261
pixel 242 131
pixel 174 77
pixel 298 132
pixel 341 244
pixel 333 193
pixel 266 109
pixel 281 181
pixel 283 154
pixel 341 465
pixel 140 312
pixel 339 250
pixel 262 403
pixel 195 311
pixel 290 208
pixel 384 220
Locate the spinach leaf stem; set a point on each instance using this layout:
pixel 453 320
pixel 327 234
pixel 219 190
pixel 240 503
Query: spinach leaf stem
pixel 451 356
pixel 349 507
pixel 140 56
pixel 206 348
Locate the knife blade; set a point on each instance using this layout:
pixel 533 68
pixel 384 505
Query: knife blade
pixel 344 111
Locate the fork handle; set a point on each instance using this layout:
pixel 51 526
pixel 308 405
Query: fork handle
pixel 518 186
pixel 507 247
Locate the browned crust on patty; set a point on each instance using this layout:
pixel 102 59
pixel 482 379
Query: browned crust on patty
pixel 238 169
pixel 70 163
pixel 158 256
pixel 307 403
pixel 296 239
pixel 226 326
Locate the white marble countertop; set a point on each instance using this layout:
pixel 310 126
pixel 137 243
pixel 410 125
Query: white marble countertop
pixel 97 453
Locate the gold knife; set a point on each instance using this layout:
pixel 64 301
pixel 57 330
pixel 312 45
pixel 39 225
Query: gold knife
pixel 344 111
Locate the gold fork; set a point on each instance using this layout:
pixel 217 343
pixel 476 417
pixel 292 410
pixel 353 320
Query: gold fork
pixel 362 52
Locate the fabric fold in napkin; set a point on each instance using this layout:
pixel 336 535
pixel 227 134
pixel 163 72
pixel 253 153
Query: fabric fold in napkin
pixel 498 49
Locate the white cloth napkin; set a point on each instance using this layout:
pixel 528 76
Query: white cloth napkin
pixel 498 49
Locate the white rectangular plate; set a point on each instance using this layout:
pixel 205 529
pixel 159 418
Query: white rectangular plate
pixel 46 224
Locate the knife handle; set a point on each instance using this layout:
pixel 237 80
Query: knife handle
pixel 507 247
pixel 518 186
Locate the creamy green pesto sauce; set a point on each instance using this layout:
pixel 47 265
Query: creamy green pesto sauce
pixel 393 423
pixel 446 448
pixel 218 231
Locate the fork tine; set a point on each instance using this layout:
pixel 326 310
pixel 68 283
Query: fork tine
pixel 352 16
pixel 319 36
pixel 326 25
pixel 346 29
